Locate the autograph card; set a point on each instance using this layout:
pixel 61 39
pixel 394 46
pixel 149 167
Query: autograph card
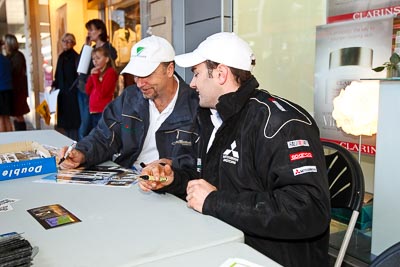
pixel 52 216
pixel 5 208
pixel 5 204
pixel 6 201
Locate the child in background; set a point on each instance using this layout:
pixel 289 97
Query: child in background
pixel 101 84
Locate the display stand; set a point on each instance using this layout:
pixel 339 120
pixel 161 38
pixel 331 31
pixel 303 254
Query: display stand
pixel 385 224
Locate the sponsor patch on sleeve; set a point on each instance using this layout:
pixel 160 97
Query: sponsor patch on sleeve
pixel 297 143
pixel 300 155
pixel 304 169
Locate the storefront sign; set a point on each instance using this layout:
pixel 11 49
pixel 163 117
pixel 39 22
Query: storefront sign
pixel 340 10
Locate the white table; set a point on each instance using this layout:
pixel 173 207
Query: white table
pixel 214 257
pixel 120 226
pixel 46 137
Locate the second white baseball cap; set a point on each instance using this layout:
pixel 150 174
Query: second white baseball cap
pixel 224 48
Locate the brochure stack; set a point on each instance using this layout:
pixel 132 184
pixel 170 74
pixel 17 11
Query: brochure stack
pixel 15 250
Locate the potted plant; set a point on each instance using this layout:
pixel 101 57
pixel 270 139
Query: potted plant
pixel 392 67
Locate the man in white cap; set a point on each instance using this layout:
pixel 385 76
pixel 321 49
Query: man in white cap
pixel 149 120
pixel 260 165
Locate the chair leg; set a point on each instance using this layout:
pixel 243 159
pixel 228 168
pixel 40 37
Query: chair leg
pixel 346 238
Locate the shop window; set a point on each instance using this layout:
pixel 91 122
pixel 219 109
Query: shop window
pixel 125 29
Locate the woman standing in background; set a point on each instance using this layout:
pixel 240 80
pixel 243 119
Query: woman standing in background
pixel 19 82
pixel 68 116
pixel 5 93
pixel 96 33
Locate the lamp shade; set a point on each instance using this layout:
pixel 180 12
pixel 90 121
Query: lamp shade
pixel 355 109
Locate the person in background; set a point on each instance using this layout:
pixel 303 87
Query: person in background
pixel 97 33
pixel 149 120
pixel 19 82
pixel 101 83
pixel 68 117
pixel 6 95
pixel 260 164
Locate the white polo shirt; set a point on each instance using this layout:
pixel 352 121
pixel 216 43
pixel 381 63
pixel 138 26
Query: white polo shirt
pixel 149 151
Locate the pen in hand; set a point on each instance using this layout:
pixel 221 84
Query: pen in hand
pixel 143 165
pixel 72 146
pixel 150 177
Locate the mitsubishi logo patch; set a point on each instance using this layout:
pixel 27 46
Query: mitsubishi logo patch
pixel 304 169
pixel 231 155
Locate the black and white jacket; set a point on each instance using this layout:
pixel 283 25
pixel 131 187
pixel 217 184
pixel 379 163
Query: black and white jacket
pixel 268 165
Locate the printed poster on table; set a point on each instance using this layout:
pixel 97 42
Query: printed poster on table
pixel 101 175
pixel 52 216
pixel 347 51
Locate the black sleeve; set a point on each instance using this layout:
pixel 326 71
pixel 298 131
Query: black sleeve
pixel 178 186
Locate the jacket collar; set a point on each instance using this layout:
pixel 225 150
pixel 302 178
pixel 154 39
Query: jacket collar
pixel 231 103
pixel 182 110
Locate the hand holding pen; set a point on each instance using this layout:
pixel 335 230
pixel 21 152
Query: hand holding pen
pixel 71 158
pixel 66 155
pixel 156 175
pixel 151 177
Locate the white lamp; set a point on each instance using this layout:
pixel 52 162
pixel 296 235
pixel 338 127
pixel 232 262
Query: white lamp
pixel 355 109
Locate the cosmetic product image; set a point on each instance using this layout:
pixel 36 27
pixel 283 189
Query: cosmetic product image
pixel 345 65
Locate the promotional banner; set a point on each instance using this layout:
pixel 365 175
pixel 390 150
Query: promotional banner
pixel 346 52
pixel 341 10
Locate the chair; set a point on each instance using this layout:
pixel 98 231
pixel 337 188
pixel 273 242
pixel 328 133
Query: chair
pixel 388 258
pixel 346 187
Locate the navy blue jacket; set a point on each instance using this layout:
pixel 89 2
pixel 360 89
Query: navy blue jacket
pixel 122 129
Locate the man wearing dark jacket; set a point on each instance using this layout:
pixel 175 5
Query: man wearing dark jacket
pixel 151 119
pixel 260 163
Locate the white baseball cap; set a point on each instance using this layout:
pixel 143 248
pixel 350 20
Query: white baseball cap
pixel 147 54
pixel 224 48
